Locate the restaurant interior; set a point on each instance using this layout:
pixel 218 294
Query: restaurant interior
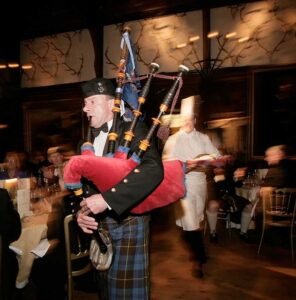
pixel 242 69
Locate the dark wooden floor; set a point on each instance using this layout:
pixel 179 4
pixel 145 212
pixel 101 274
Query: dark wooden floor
pixel 234 270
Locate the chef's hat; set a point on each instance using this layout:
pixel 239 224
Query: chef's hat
pixel 189 106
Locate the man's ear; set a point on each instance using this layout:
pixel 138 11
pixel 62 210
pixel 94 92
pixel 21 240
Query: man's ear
pixel 111 102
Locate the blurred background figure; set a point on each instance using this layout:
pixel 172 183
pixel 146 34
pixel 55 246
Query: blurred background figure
pixel 10 231
pixel 281 171
pixel 226 199
pixel 14 166
pixel 187 144
pixel 46 177
pixel 37 159
pixel 54 172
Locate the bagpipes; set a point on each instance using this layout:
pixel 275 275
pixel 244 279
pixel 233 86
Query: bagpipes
pixel 115 166
pixel 105 172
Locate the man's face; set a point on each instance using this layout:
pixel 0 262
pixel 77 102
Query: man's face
pixel 48 172
pixel 273 156
pixel 189 123
pixel 56 158
pixel 11 162
pixel 98 109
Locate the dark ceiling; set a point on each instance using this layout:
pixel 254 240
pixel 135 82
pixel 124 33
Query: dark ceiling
pixel 27 19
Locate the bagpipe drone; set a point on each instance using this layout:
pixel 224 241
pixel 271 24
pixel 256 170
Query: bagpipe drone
pixel 105 172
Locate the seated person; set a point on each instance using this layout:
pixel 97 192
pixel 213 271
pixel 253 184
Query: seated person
pixel 14 166
pixel 47 175
pixel 282 170
pixel 36 161
pixel 224 197
pixel 10 230
pixel 56 157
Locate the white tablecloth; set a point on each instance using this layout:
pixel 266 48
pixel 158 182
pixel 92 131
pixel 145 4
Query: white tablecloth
pixel 34 231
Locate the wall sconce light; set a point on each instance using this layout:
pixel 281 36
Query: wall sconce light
pixel 183 45
pixel 15 65
pixel 205 66
pixel 230 35
pixel 194 38
pixel 243 39
pixel 3 126
pixel 27 67
pixel 211 35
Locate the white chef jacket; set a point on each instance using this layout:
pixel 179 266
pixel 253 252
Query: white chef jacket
pixel 185 146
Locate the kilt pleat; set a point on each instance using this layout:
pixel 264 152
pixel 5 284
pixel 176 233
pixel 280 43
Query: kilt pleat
pixel 128 276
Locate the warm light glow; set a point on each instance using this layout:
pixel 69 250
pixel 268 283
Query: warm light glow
pixel 27 67
pixel 194 38
pixel 2 126
pixel 13 65
pixel 244 39
pixel 10 183
pixel 212 34
pixel 11 186
pixel 230 35
pixel 161 26
pixel 181 46
pixel 3 66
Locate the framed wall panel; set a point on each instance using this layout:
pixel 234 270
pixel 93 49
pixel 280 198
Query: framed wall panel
pixel 274 109
pixel 52 123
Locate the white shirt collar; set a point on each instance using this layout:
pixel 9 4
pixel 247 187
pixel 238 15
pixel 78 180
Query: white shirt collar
pixel 101 139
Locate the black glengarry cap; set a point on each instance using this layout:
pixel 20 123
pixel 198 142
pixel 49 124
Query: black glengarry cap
pixel 98 86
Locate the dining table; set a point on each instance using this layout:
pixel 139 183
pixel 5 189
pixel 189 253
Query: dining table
pixel 37 237
pixel 251 186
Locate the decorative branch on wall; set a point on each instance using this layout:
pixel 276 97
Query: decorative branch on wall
pixel 155 39
pixel 229 48
pixel 256 33
pixel 266 34
pixel 268 28
pixel 56 59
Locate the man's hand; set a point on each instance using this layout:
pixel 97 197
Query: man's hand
pixel 94 204
pixel 86 223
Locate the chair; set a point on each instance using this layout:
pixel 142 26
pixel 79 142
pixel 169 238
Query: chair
pixel 223 215
pixel 79 255
pixel 279 211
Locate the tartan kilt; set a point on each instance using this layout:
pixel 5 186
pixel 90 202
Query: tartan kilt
pixel 128 276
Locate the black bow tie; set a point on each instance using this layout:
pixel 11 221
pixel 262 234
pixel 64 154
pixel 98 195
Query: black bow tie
pixel 96 131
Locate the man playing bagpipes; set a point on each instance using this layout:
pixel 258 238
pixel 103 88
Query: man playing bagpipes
pixel 128 276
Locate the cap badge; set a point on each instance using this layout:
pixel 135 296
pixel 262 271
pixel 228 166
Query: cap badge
pixel 100 88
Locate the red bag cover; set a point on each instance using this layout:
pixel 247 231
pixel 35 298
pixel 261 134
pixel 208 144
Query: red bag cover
pixel 105 172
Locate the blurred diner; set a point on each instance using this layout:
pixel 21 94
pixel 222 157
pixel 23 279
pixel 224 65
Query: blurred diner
pixel 14 166
pixel 42 237
pixel 53 173
pixel 224 198
pixel 281 171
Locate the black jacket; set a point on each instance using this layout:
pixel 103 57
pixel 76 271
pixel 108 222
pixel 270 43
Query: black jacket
pixel 136 186
pixel 281 175
pixel 10 230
